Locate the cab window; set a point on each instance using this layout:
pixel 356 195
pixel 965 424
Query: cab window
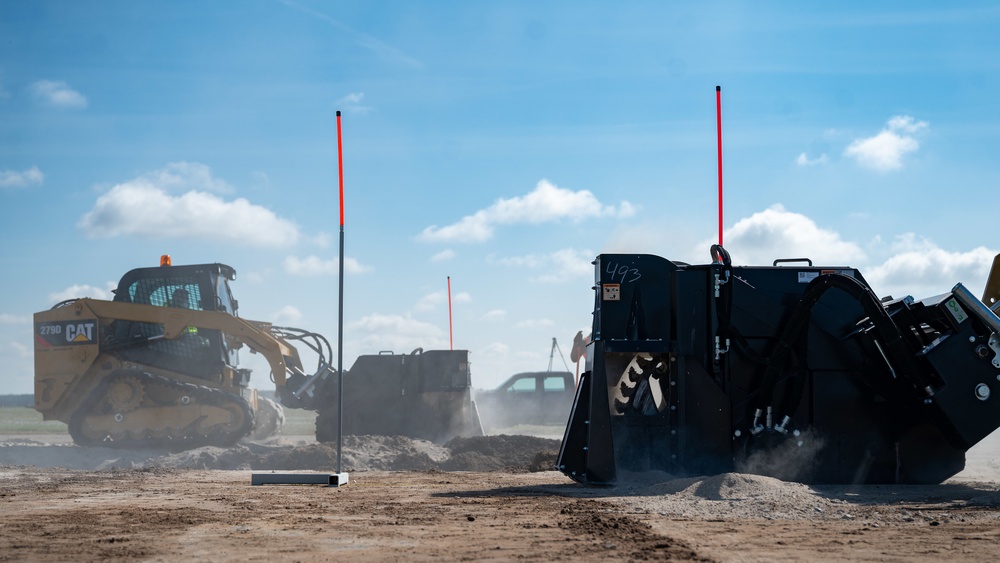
pixel 554 384
pixel 525 385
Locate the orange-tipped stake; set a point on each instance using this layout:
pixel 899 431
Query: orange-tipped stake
pixel 718 127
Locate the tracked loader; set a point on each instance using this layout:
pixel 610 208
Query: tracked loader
pixel 790 370
pixel 158 367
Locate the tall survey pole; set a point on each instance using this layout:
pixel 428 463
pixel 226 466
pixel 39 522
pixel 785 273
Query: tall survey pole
pixel 340 308
pixel 718 127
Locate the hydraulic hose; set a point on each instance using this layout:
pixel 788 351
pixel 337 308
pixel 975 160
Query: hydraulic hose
pixel 793 332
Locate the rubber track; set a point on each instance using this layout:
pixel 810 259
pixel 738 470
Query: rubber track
pixel 200 395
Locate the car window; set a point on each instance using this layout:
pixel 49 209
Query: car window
pixel 554 384
pixel 525 385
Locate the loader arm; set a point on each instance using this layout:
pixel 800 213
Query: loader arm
pixel 256 335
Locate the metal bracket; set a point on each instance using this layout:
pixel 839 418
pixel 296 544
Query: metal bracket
pixel 719 350
pixel 994 343
pixel 719 282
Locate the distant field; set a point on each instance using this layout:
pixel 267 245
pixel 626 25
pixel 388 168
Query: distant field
pixel 26 420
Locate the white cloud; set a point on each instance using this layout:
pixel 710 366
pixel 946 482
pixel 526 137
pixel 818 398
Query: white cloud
pixel 910 265
pixel 494 351
pixel 354 103
pixel 804 160
pixel 254 277
pixel 531 324
pixel 430 301
pixel 316 266
pixel 13 179
pixel 57 94
pixel 885 151
pixel 556 267
pixel 179 177
pixel 915 265
pixel 777 233
pixel 495 315
pixel 920 268
pixel 322 240
pixel 443 256
pixel 21 350
pixel 144 207
pixel 397 333
pixel 568 264
pixel 286 315
pixel 78 291
pixel 260 181
pixel 546 203
pixel 8 319
pixel 433 300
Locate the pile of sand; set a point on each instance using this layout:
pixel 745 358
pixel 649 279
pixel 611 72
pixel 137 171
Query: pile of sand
pixel 360 453
pixel 749 496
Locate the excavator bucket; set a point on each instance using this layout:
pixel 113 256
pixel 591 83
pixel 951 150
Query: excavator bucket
pixel 793 371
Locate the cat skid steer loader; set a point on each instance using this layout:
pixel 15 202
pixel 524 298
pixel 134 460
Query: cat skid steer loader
pixel 157 367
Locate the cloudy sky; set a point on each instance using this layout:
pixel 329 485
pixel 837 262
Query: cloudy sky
pixel 503 144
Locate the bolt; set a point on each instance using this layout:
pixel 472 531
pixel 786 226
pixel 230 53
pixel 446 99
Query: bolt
pixel 972 339
pixel 982 391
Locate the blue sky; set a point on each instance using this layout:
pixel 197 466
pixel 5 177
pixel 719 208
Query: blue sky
pixel 503 144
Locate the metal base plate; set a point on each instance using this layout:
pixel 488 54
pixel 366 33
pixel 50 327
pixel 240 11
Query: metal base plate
pixel 328 479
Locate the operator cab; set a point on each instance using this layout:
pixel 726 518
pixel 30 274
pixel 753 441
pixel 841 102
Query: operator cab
pixel 206 284
pixel 201 287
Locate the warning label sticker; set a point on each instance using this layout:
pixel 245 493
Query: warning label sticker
pixel 806 277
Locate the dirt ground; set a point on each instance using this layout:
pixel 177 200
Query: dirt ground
pixel 488 499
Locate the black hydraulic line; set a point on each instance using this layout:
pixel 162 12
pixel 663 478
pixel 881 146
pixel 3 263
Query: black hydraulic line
pixel 896 347
pixel 320 344
pixel 724 305
pixel 720 254
pixel 740 342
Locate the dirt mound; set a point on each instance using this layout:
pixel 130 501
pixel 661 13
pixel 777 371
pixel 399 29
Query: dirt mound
pixel 360 453
pixel 492 453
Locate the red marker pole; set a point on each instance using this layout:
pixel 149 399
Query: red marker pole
pixel 451 345
pixel 718 127
pixel 340 314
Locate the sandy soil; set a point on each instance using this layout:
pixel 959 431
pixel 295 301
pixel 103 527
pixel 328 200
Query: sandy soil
pixel 484 499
